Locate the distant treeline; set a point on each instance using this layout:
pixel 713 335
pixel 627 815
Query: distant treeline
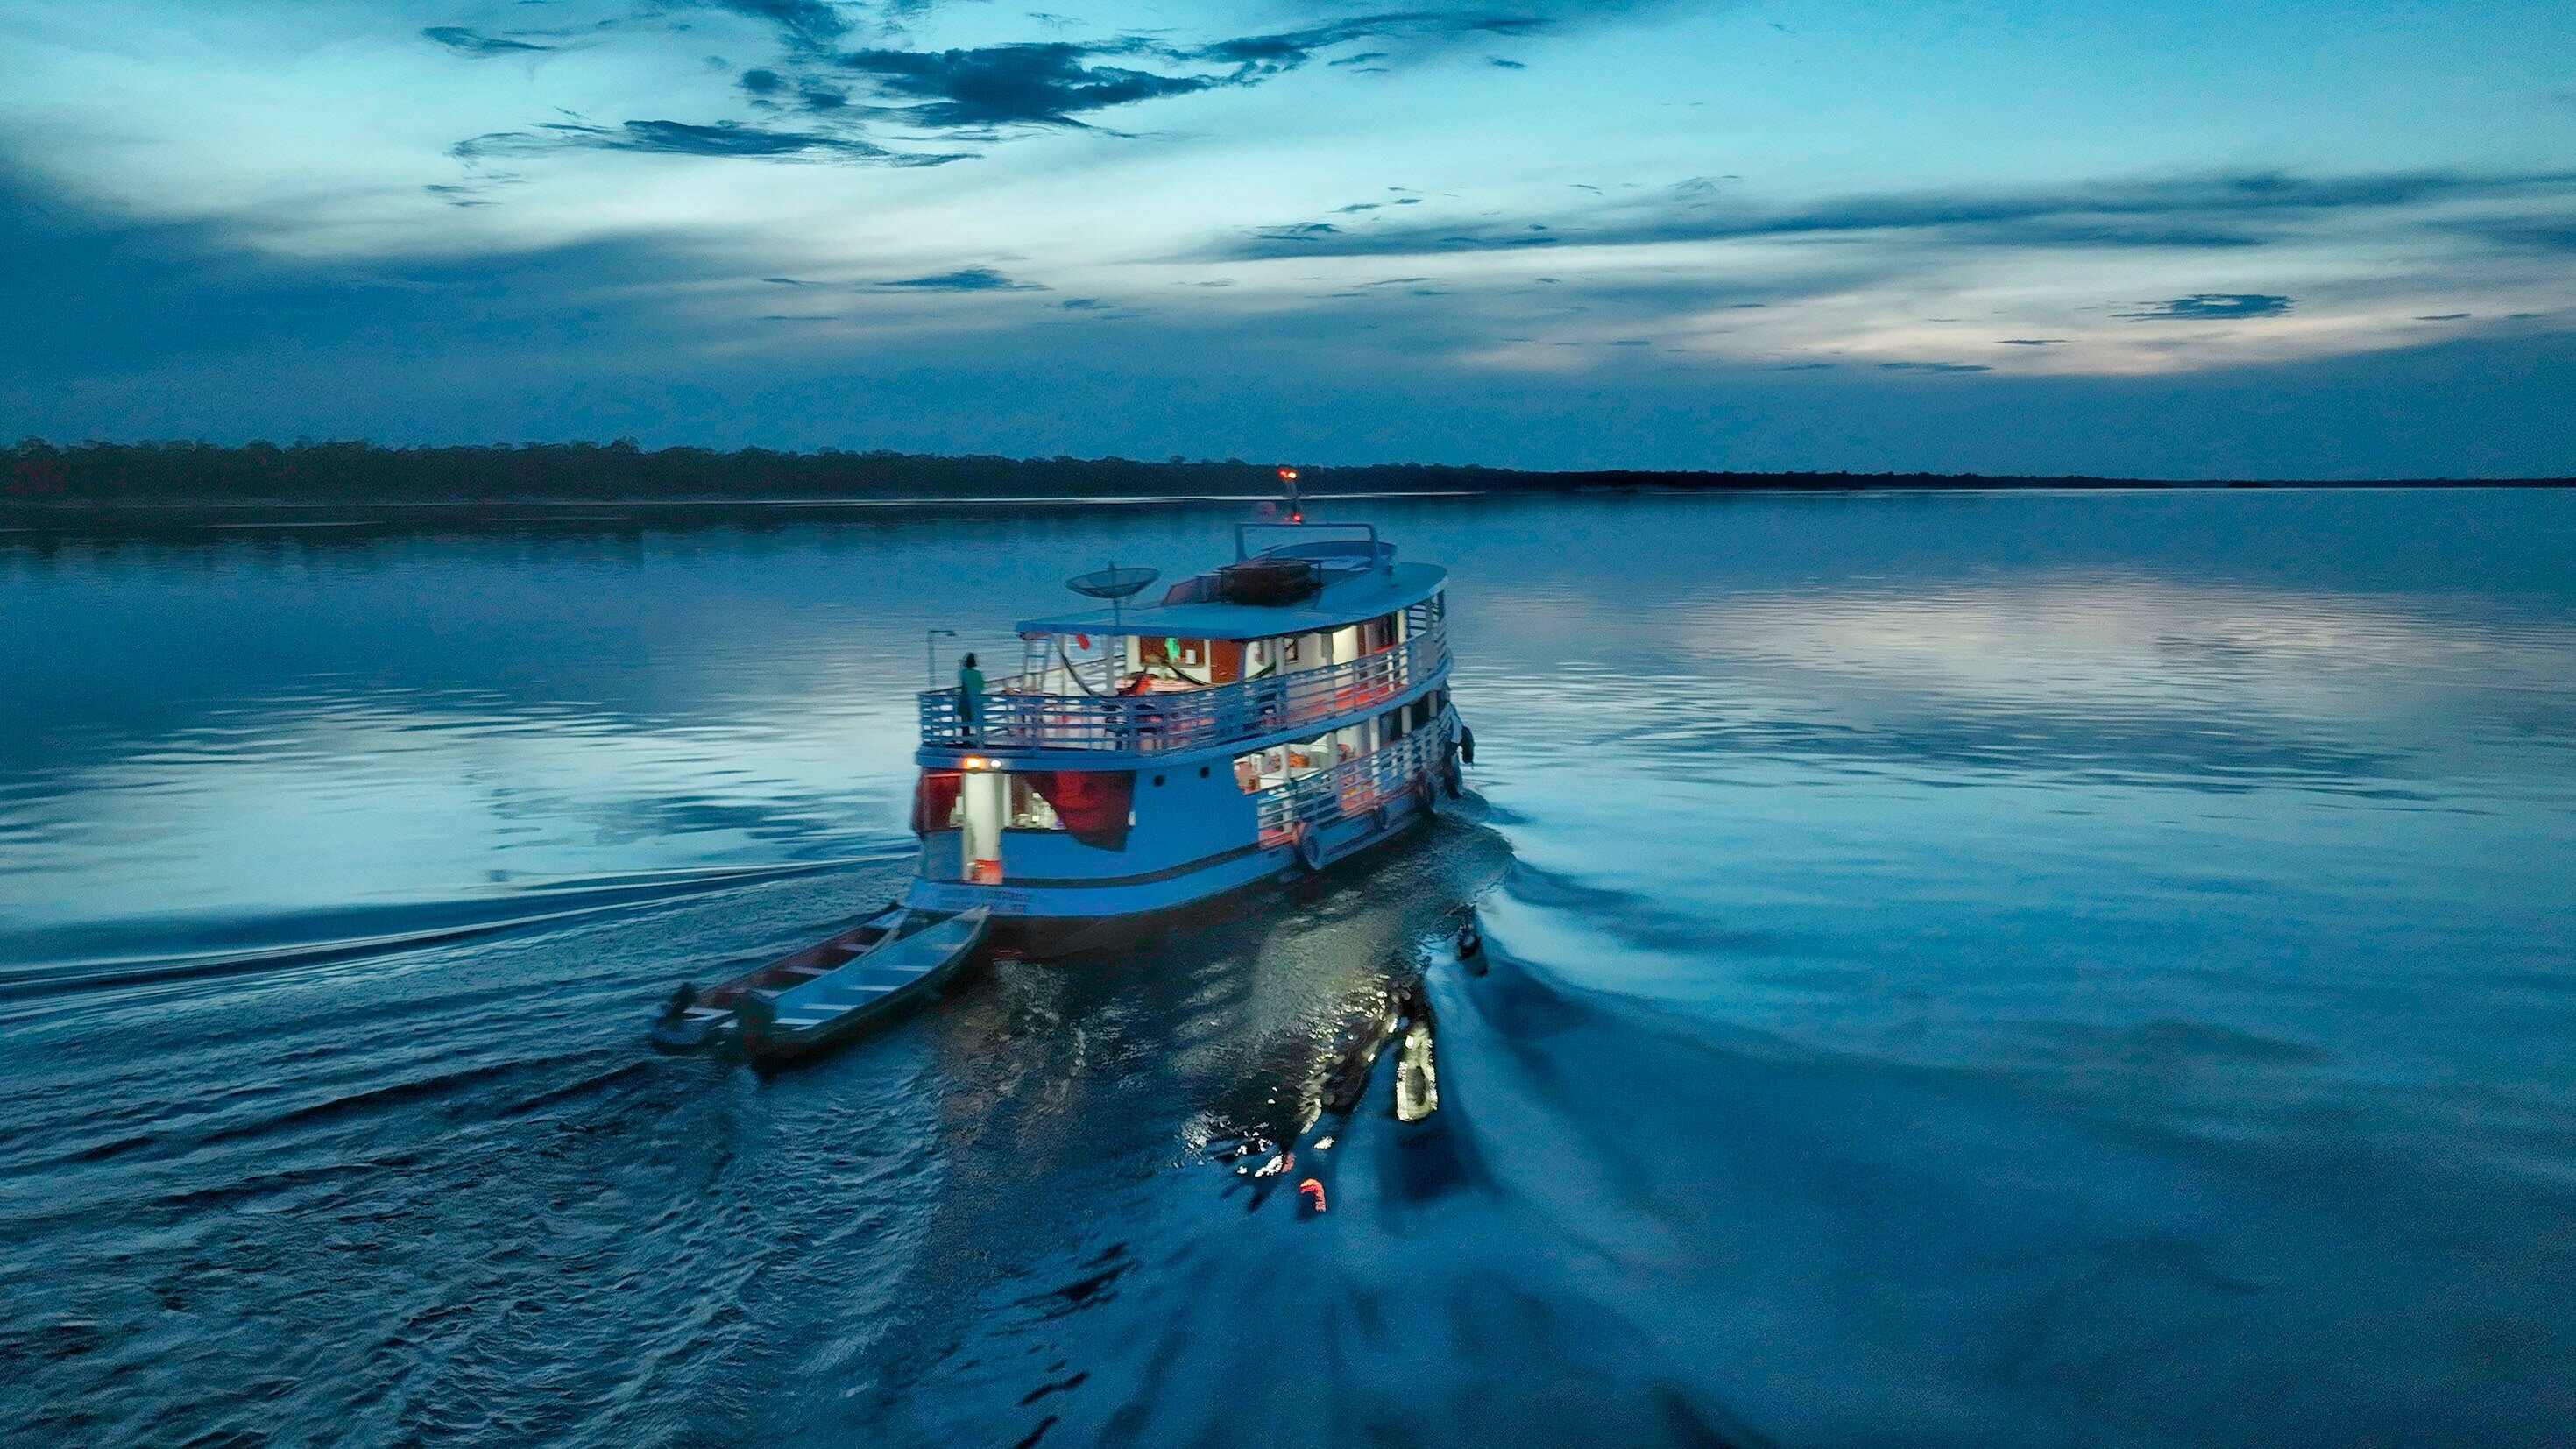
pixel 304 471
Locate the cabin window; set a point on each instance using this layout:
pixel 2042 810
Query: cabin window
pixel 1190 653
pixel 1093 806
pixel 1175 662
pixel 1029 809
pixel 1263 769
pixel 938 802
pixel 1307 757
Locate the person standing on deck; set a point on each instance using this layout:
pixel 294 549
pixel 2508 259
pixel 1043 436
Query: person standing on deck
pixel 970 697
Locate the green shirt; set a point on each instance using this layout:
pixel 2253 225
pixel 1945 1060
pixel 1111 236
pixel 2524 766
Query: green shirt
pixel 970 682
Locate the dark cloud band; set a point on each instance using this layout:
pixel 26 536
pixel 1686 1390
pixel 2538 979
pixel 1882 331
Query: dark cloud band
pixel 2215 211
pixel 2211 307
pixel 467 42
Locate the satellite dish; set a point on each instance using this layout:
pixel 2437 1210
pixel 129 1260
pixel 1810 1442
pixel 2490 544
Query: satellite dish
pixel 1112 582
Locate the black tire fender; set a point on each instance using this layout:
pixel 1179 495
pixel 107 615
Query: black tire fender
pixel 1310 847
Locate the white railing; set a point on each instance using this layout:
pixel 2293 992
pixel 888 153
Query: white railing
pixel 1356 787
pixel 1147 723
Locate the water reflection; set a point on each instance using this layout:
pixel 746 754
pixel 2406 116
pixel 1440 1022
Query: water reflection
pixel 1959 969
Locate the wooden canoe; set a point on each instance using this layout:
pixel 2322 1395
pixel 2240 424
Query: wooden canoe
pixel 910 963
pixel 710 1019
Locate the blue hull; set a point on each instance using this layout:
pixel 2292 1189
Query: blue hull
pixel 1031 914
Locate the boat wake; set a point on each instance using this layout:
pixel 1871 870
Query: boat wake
pixel 122 957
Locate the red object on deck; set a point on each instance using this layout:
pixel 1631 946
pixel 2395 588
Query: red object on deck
pixel 1313 1191
pixel 936 800
pixel 1092 805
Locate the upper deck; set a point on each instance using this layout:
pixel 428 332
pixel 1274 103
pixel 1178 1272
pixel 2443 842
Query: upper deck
pixel 1342 600
pixel 1296 637
pixel 1015 717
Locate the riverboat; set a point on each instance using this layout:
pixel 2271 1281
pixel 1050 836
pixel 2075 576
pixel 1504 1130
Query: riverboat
pixel 1261 720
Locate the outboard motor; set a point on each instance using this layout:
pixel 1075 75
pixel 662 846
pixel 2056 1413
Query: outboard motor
pixel 1471 945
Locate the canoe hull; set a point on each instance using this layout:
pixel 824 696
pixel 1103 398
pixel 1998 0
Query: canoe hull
pixel 769 1038
pixel 774 1044
pixel 711 1020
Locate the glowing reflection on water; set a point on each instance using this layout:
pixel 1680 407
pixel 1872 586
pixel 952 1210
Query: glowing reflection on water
pixel 1966 969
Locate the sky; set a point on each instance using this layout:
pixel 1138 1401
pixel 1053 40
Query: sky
pixel 2296 240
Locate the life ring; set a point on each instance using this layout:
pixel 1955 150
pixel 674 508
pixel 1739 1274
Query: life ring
pixel 1310 846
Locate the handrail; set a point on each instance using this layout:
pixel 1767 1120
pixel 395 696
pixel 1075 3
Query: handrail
pixel 1148 723
pixel 1243 548
pixel 1354 787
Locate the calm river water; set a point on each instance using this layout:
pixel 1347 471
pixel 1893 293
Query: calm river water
pixel 1966 969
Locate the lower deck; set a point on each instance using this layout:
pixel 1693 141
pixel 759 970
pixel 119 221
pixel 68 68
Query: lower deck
pixel 1193 829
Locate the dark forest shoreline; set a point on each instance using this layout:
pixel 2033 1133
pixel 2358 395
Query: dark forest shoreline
pixel 172 481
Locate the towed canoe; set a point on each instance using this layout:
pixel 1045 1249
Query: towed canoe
pixel 707 1019
pixel 908 963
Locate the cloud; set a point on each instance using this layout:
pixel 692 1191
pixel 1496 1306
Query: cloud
pixel 1057 83
pixel 466 42
pixel 2445 317
pixel 806 23
pixel 2211 307
pixel 679 138
pixel 1043 83
pixel 2531 235
pixel 1314 231
pixel 2227 210
pixel 2028 341
pixel 1934 367
pixel 968 279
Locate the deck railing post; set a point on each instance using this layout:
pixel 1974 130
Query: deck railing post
pixel 1247 708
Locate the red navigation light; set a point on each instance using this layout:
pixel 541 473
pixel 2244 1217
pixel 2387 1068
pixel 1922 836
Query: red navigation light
pixel 1298 517
pixel 1287 475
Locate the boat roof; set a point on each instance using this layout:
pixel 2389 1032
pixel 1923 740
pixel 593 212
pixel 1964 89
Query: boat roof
pixel 1346 598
